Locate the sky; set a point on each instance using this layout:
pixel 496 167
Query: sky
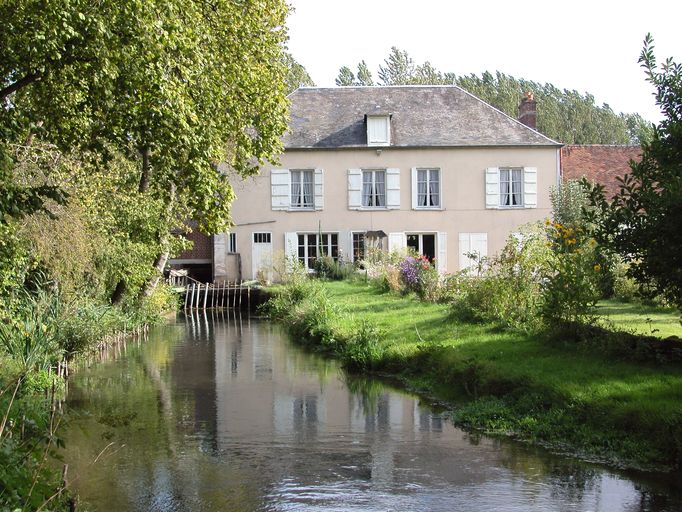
pixel 588 46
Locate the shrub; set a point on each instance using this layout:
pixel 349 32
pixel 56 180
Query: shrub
pixel 327 267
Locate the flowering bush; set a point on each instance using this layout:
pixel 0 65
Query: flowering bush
pixel 418 274
pixel 572 288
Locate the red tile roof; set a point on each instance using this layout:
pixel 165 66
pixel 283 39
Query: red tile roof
pixel 598 163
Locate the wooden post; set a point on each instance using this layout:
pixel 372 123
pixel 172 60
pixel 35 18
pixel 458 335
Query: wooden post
pixel 205 296
pixel 240 294
pixel 195 296
pixel 248 297
pixel 191 298
pixel 213 290
pixel 186 294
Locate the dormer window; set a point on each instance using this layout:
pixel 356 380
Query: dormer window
pixel 378 130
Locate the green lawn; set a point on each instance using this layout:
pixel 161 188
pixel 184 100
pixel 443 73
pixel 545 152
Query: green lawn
pixel 552 391
pixel 641 319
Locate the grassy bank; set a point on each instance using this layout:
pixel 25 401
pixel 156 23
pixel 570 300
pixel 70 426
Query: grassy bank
pixel 569 396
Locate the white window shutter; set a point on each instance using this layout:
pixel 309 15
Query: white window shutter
pixel 397 242
pixel 464 249
pixel 414 188
pixel 442 259
pixel 530 187
pixel 345 246
pixel 281 189
pixel 492 187
pixel 319 189
pixel 393 189
pixel 291 248
pixel 479 243
pixel 354 188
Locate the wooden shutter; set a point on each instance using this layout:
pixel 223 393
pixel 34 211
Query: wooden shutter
pixel 393 189
pixel 530 187
pixel 281 189
pixel 354 188
pixel 492 187
pixel 442 258
pixel 319 189
pixel 290 248
pixel 464 249
pixel 415 173
pixel 345 246
pixel 396 242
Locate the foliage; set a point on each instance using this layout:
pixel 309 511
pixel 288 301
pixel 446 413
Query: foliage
pixel 327 267
pixel 563 115
pixel 509 290
pixel 571 290
pixel 297 76
pixel 640 224
pixel 346 77
pixel 419 275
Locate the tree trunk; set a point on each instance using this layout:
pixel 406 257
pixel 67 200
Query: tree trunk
pixel 144 177
pixel 119 292
pixel 162 257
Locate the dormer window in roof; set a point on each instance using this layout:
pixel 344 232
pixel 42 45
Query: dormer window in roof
pixel 378 129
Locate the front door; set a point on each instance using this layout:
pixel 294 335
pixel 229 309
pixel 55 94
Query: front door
pixel 261 256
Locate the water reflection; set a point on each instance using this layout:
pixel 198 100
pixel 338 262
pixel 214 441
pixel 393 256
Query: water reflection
pixel 225 414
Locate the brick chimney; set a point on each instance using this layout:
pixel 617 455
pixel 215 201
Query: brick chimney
pixel 528 113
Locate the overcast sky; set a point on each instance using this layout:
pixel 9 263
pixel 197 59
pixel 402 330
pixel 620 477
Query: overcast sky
pixel 589 46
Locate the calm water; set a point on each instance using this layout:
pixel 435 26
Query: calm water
pixel 228 415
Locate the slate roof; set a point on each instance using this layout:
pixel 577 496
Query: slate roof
pixel 598 163
pixel 421 116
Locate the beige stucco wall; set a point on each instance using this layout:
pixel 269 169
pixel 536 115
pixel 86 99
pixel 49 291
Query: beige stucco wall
pixel 462 188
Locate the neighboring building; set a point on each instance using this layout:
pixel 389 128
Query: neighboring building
pixel 197 262
pixel 601 164
pixel 428 167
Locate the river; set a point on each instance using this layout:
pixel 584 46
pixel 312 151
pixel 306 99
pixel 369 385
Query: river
pixel 227 414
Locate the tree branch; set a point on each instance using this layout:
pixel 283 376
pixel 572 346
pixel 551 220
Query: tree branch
pixel 20 84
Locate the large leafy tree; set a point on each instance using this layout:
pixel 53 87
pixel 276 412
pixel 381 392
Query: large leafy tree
pixel 184 84
pixel 564 115
pixel 642 222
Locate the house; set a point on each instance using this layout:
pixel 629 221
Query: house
pixel 432 168
pixel 602 164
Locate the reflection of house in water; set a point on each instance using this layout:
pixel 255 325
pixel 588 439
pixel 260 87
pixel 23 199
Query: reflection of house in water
pixel 301 416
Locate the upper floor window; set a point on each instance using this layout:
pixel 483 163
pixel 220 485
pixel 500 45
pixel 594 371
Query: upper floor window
pixel 297 189
pixel 302 189
pixel 511 187
pixel 426 183
pixel 374 188
pixel 378 130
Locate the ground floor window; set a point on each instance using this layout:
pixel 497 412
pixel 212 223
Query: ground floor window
pixel 424 244
pixel 358 246
pixel 232 244
pixel 312 245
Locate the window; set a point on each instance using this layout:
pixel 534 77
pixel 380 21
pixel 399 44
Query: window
pixel 511 187
pixel 297 189
pixel 427 188
pixel 262 238
pixel 358 246
pixel 232 243
pixel 302 189
pixel 374 188
pixel 424 244
pixel 310 245
pixel 379 130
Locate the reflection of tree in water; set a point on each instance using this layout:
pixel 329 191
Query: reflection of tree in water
pixel 367 391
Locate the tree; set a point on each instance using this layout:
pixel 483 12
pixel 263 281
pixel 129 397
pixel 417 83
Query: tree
pixel 297 76
pixel 346 77
pixel 642 222
pixel 564 115
pixel 186 84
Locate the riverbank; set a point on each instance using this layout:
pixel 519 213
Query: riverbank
pixel 567 396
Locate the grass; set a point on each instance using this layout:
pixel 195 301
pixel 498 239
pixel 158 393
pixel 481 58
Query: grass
pixel 547 391
pixel 641 319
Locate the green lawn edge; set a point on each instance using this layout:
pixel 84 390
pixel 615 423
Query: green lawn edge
pixel 566 396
